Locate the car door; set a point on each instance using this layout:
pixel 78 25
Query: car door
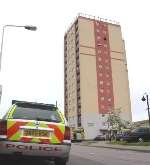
pixel 145 133
pixel 148 137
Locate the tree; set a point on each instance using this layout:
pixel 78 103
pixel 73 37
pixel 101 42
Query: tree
pixel 115 122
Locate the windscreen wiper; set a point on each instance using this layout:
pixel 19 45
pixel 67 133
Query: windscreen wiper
pixel 49 120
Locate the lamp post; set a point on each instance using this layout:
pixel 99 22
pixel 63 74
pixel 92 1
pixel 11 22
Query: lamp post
pixel 145 98
pixel 27 27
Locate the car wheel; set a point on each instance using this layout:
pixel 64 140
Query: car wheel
pixel 60 161
pixel 140 140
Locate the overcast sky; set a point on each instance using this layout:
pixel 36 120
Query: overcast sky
pixel 32 62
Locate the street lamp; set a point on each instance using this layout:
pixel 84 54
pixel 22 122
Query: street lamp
pixel 147 100
pixel 28 27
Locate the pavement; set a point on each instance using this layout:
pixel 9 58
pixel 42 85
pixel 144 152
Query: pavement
pixel 106 144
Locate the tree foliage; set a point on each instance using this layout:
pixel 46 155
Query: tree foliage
pixel 115 122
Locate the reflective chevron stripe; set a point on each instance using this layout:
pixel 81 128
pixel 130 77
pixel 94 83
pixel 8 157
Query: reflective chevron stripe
pixel 57 132
pixel 14 128
pixel 15 133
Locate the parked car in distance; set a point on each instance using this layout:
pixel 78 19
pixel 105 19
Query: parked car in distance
pixel 100 137
pixel 140 134
pixel 119 136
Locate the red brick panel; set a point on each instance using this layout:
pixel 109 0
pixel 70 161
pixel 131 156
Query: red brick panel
pixel 103 68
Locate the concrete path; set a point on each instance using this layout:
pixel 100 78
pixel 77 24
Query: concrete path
pixel 106 144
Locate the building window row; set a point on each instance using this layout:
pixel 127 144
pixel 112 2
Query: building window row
pixel 103 82
pixel 79 121
pixel 100 74
pixel 102 98
pixel 70 34
pixel 65 48
pixel 78 77
pixel 102 53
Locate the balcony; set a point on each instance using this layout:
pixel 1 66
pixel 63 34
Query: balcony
pixel 78 77
pixel 78 72
pixel 78 96
pixel 77 63
pixel 79 111
pixel 79 124
pixel 79 105
pixel 78 81
pixel 77 42
pixel 77 33
pixel 78 86
pixel 77 49
pixel 77 56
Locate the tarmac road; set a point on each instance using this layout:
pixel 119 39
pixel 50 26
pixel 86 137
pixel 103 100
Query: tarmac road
pixel 74 160
pixel 83 155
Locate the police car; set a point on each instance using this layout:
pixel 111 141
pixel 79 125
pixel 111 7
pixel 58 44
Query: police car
pixel 35 130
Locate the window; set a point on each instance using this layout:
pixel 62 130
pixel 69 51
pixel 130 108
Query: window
pixel 105 52
pixel 73 108
pixel 107 67
pixel 98 37
pixel 108 91
pixel 99 59
pixel 106 60
pixel 97 30
pixel 79 120
pixel 97 23
pixel 109 99
pixel 36 113
pixel 104 32
pixel 107 75
pixel 69 102
pixel 102 106
pixel 99 51
pixel 140 130
pixel 100 66
pixel 105 45
pixel 99 44
pixel 101 90
pixel 102 98
pixel 101 82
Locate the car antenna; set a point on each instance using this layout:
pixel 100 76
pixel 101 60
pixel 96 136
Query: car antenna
pixel 56 103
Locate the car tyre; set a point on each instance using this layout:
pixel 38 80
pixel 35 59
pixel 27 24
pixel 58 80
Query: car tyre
pixel 140 140
pixel 60 161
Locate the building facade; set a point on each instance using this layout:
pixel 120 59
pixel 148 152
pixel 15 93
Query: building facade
pixel 95 75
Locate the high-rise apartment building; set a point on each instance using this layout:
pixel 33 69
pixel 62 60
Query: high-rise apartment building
pixel 96 75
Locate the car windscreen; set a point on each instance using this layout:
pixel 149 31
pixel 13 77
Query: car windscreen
pixel 36 114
